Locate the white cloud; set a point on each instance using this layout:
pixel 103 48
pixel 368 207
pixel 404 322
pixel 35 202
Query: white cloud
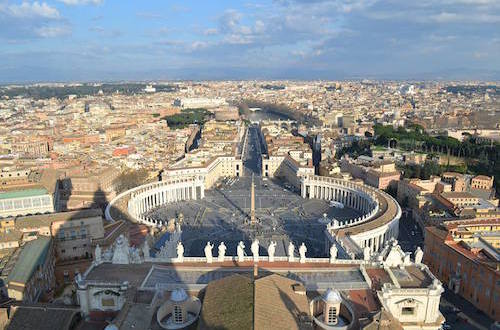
pixel 28 20
pixel 52 31
pixel 30 10
pixel 81 2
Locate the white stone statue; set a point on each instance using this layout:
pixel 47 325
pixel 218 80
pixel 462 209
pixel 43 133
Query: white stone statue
pixel 333 253
pixel 419 255
pixel 208 252
pixel 366 253
pixel 180 252
pixel 302 253
pixel 406 259
pixel 145 249
pixel 121 253
pixel 97 254
pixel 222 252
pixel 135 258
pixel 271 250
pixel 255 250
pixel 240 250
pixel 291 251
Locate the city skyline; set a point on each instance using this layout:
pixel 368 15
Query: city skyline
pixel 94 40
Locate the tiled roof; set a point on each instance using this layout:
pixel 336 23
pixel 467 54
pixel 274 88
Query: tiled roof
pixel 278 306
pixel 44 317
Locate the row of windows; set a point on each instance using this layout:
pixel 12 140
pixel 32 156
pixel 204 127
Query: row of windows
pixel 25 203
pixel 73 234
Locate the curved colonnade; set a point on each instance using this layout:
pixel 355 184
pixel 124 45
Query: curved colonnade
pixel 378 223
pixel 143 199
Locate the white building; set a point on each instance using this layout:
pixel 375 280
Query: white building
pixel 24 202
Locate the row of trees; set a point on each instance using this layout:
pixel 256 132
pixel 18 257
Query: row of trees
pixel 415 138
pixel 480 156
pixel 278 109
pixel 44 92
pixel 187 117
pixel 130 179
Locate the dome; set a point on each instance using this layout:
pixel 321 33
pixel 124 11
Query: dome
pixel 332 296
pixel 178 295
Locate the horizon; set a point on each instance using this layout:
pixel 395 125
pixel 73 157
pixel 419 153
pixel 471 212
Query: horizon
pixel 100 40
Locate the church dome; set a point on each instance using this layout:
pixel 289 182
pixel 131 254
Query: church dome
pixel 111 326
pixel 332 296
pixel 178 295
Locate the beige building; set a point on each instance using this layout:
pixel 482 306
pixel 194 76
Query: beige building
pixel 374 172
pixel 73 232
pixel 33 272
pixel 456 180
pixel 481 182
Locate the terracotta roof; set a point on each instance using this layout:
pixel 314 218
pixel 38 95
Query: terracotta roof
pixel 270 302
pixel 277 304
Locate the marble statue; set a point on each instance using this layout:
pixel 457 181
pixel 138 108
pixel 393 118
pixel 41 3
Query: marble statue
pixel 366 253
pixel 145 249
pixel 135 257
pixel 419 255
pixel 333 253
pixel 240 250
pixel 180 252
pixel 222 252
pixel 255 250
pixel 291 251
pixel 98 254
pixel 121 252
pixel 271 250
pixel 406 259
pixel 302 253
pixel 107 254
pixel 208 252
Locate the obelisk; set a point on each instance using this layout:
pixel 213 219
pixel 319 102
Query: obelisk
pixel 252 203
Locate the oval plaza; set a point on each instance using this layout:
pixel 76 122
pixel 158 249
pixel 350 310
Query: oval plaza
pixel 354 215
pixel 254 224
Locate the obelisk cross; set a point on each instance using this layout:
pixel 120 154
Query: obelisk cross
pixel 252 203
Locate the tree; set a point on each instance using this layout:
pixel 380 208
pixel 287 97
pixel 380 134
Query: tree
pixel 130 179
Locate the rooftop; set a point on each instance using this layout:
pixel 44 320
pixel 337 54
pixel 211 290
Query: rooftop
pixel 23 193
pixel 33 254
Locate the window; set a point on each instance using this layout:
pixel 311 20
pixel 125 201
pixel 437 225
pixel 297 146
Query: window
pixel 408 311
pixel 332 315
pixel 178 314
pixel 66 277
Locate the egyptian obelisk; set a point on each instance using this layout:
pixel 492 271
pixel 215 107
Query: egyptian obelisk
pixel 252 203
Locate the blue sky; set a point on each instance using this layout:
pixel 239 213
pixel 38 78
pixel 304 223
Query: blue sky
pixel 88 40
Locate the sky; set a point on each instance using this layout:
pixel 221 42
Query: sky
pixel 111 40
